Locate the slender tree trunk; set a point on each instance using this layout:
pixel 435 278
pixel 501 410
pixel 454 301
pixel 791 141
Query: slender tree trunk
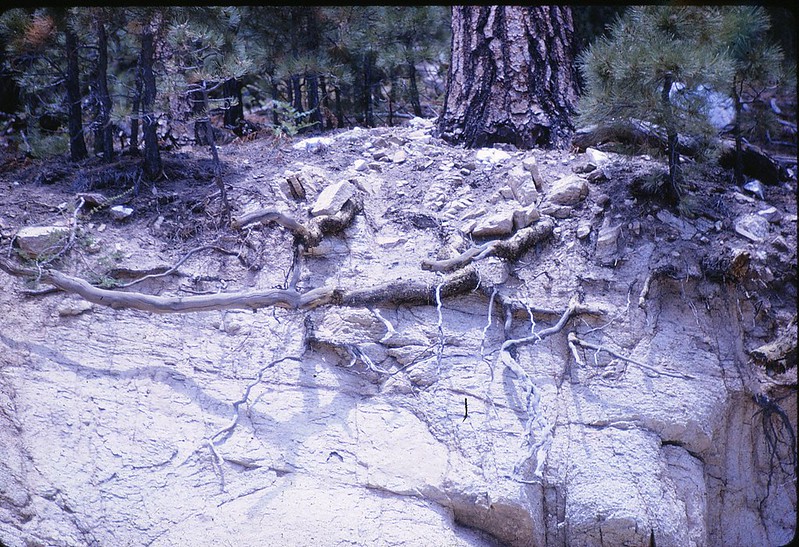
pixel 217 164
pixel 77 144
pixel 296 93
pixel 106 132
pixel 312 81
pixel 152 156
pixel 339 106
pixel 512 77
pixel 135 113
pixel 672 138
pixel 234 114
pixel 739 163
pixel 367 90
pixel 275 99
pixel 414 89
pixel 324 103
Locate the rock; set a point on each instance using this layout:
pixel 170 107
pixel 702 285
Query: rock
pixel 496 224
pixel 771 214
pixel 421 123
pixel 292 186
pixel 556 211
pixel 753 227
pixel 780 243
pixel 72 307
pixel 522 185
pixel 583 168
pixel 530 164
pixel 596 157
pixel 491 156
pixel 583 230
pixel 597 175
pixel 39 241
pixel 360 165
pixel 314 145
pixel 686 229
pixel 755 187
pixel 569 190
pixel 379 154
pixel 522 218
pixel 120 212
pixel 740 198
pixel 333 198
pixel 607 243
pixel 399 156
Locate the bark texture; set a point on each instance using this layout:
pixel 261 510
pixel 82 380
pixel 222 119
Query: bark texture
pixel 77 145
pixel 152 156
pixel 512 77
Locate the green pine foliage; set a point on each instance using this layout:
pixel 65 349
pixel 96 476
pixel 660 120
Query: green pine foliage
pixel 659 64
pixel 649 48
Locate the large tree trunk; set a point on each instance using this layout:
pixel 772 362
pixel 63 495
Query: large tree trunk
pixel 77 144
pixel 152 156
pixel 512 77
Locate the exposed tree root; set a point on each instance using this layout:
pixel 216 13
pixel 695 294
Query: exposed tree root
pixel 404 292
pixel 573 340
pixel 318 227
pixel 538 430
pixel 509 249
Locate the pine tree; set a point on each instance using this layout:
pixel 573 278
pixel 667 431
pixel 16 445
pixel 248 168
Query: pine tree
pixel 651 69
pixel 757 65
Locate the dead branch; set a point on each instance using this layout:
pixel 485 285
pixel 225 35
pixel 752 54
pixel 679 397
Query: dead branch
pixel 510 249
pixel 318 227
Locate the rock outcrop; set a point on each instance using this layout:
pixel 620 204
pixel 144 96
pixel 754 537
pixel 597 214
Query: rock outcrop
pixel 596 391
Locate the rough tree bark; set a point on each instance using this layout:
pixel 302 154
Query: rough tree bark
pixel 512 77
pixel 77 144
pixel 104 135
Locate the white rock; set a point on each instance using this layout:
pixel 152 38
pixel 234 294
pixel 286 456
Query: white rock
pixel 73 307
pixel 569 190
pixel 496 224
pixel 607 243
pixel 752 226
pixel 772 214
pixel 36 241
pixel 522 218
pixel 360 165
pixel 522 185
pixel 314 144
pixel 531 164
pixel 491 155
pixel 399 156
pixel 597 157
pixel 421 123
pixel 583 230
pixel 120 212
pixel 333 198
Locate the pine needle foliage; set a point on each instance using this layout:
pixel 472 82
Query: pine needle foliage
pixel 649 69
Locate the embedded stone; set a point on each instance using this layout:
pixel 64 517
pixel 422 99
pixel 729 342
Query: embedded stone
pixel 333 198
pixel 497 224
pixel 36 241
pixel 569 190
pixel 753 227
pixel 522 218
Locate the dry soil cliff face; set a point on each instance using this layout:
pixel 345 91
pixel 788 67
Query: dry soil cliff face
pixel 632 418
